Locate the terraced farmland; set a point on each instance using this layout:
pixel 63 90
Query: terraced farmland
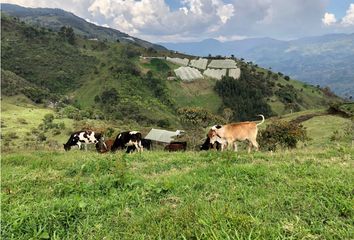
pixel 215 73
pixel 188 73
pixel 200 63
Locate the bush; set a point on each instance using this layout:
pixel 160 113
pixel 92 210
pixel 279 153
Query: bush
pixel 22 121
pixel 196 116
pixel 282 134
pixel 11 135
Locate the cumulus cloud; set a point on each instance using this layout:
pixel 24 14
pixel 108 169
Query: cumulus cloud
pixel 329 19
pixel 155 18
pixel 348 19
pixel 193 20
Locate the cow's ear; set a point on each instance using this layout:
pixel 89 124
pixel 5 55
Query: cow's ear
pixel 218 126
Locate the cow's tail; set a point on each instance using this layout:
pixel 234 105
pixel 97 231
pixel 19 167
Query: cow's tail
pixel 262 119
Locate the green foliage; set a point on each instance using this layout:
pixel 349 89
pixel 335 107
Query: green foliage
pixel 243 97
pixel 67 34
pixel 159 65
pixel 11 85
pixel 109 96
pixel 159 88
pixel 43 60
pixel 289 95
pixel 282 134
pixel 198 117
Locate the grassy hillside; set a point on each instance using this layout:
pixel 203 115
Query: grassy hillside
pixel 56 18
pixel 108 79
pixel 209 195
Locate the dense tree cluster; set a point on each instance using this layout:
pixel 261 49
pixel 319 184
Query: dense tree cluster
pixel 245 96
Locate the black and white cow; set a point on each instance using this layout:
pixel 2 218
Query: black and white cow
pixel 84 138
pixel 126 139
pixel 146 143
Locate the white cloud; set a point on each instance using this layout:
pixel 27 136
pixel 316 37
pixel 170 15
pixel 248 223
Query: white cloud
pixel 230 38
pixel 225 12
pixel 155 18
pixel 348 19
pixel 329 19
pixel 195 20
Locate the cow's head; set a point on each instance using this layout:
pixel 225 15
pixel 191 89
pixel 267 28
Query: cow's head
pixel 213 133
pixel 67 147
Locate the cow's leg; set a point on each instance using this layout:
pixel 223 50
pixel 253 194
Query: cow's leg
pixel 105 146
pixel 79 145
pixel 235 146
pixel 137 146
pixel 255 144
pixel 85 147
pixel 250 144
pixel 141 146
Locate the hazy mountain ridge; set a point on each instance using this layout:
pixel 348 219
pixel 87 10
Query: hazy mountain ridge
pixel 323 60
pixel 56 18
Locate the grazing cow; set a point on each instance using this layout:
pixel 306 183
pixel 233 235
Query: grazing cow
pixel 208 145
pixel 83 138
pixel 146 143
pixel 126 139
pixel 230 133
pixel 176 146
pixel 101 148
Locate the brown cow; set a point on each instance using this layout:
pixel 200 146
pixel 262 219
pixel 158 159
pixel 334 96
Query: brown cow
pixel 176 146
pixel 230 133
pixel 102 149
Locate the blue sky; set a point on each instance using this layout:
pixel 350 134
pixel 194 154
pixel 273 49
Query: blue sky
pixel 338 7
pixel 225 20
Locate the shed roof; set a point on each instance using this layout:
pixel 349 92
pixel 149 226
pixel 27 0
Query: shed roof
pixel 162 135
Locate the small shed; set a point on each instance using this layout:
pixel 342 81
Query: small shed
pixel 161 135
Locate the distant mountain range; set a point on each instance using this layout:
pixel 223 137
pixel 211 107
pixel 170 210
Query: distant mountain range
pixel 324 60
pixel 56 18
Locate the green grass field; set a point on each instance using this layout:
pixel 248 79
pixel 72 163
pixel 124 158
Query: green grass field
pixel 192 195
pixel 305 193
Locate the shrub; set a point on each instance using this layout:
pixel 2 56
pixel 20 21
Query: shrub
pixel 56 132
pixel 22 121
pixel 41 137
pixel 196 116
pixel 282 134
pixel 11 135
pixel 164 123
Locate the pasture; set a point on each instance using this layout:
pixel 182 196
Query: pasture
pixel 296 194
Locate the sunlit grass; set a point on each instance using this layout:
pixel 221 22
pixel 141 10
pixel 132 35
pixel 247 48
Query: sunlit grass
pixel 192 195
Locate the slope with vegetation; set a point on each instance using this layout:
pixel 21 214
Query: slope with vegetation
pixel 109 79
pixel 54 19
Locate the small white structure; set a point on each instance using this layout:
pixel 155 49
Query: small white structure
pixel 161 135
pixel 188 73
pixel 225 63
pixel 215 73
pixel 179 61
pixel 143 57
pixel 235 73
pixel 200 63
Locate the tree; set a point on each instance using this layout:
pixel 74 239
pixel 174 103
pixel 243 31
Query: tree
pixel 227 114
pixel 67 34
pixel 196 116
pixel 109 96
